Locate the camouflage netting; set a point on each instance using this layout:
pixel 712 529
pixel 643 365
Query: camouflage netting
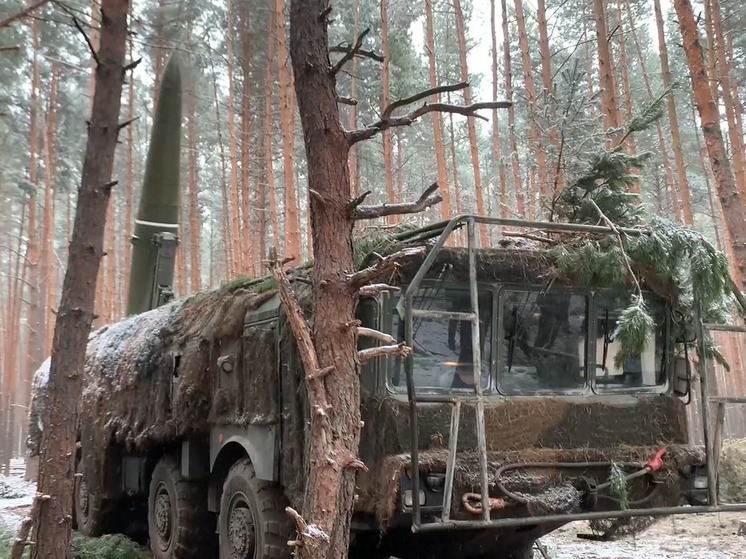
pixel 521 431
pixel 155 379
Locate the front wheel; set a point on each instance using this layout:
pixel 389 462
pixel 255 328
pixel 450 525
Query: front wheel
pixel 252 522
pixel 89 509
pixel 179 524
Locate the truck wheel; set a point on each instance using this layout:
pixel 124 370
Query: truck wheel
pixel 252 522
pixel 90 514
pixel 524 550
pixel 179 524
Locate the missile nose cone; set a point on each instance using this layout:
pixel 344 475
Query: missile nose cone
pixel 158 213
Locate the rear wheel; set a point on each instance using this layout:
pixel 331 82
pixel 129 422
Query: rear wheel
pixel 179 524
pixel 90 514
pixel 252 522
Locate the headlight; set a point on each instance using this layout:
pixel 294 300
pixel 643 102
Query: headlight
pixel 700 482
pixel 408 498
pixel 435 482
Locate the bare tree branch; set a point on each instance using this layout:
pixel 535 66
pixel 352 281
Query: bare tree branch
pixel 383 350
pixel 87 40
pixel 388 111
pixel 426 200
pixel 13 48
pixel 373 55
pixel 23 13
pixel 350 53
pixel 376 335
pixel 346 101
pixel 467 110
pixel 386 265
pixel 375 288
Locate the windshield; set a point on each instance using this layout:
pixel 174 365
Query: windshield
pixel 442 348
pixel 543 344
pixel 644 369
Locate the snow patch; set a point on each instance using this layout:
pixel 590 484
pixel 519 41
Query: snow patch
pixel 15 496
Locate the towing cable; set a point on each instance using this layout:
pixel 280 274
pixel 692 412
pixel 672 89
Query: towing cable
pixel 472 502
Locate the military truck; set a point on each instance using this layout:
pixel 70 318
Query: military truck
pixel 511 417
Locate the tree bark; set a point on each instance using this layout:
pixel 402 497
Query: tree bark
pixel 735 133
pixel 473 144
pixel 56 476
pixel 388 167
pixel 533 107
pixel 287 126
pixel 268 155
pixel 330 485
pixel 235 210
pixel 507 71
pixel 129 187
pixel 195 267
pixel 733 211
pixel 225 228
pixel 673 119
pixel 609 104
pixel 437 119
pixel 496 146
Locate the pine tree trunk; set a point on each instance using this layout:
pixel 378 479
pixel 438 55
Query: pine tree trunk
pixel 330 485
pixel 733 211
pixel 631 147
pixel 588 59
pixel 228 262
pixel 710 43
pixel 388 166
pixel 533 107
pixel 129 187
pixel 354 164
pixel 671 185
pixel 56 475
pixel 557 181
pixel 717 222
pixel 235 218
pixel 515 165
pixel 609 104
pixel 248 257
pixel 195 266
pixel 268 152
pixel 287 126
pixel 678 151
pixel 735 133
pixel 436 118
pixel 471 127
pixel 496 147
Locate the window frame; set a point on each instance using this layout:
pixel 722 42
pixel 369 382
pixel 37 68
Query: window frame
pixel 603 390
pixel 513 287
pixel 387 317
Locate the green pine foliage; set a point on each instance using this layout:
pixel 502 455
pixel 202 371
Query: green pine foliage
pixel 618 485
pixel 676 262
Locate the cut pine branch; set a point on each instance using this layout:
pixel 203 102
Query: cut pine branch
pixel 366 355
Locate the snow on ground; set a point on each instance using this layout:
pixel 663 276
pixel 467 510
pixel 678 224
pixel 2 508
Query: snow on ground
pixel 16 496
pixel 700 536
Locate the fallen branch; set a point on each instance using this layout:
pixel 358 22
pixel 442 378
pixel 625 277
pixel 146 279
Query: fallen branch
pixel 426 200
pixel 527 236
pixel 384 124
pixel 385 265
pixel 16 552
pixel 355 49
pixel 23 13
pixel 376 335
pixel 375 288
pixel 384 350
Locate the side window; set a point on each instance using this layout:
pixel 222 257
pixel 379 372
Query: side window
pixel 543 343
pixel 645 369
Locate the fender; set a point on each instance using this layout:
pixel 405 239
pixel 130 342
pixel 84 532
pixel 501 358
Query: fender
pixel 259 441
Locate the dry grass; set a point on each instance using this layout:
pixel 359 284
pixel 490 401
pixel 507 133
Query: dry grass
pixel 732 471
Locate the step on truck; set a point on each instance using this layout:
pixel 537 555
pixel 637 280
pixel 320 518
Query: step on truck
pixel 511 417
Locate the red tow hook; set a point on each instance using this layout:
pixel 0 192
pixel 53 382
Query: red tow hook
pixel 476 508
pixel 656 462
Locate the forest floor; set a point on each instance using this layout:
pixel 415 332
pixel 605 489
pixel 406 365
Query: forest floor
pixel 705 536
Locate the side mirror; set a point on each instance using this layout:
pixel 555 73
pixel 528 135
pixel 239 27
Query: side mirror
pixel 682 376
